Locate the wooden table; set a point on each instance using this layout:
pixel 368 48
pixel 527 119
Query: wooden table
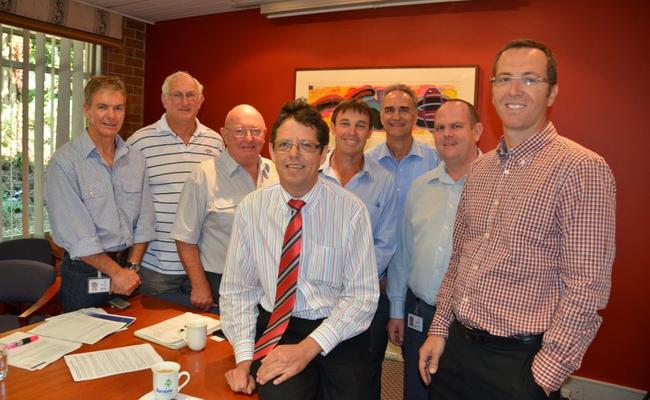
pixel 206 367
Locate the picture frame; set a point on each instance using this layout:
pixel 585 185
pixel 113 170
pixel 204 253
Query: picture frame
pixel 325 88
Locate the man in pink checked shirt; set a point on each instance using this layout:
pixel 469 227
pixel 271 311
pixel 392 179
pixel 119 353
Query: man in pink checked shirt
pixel 532 251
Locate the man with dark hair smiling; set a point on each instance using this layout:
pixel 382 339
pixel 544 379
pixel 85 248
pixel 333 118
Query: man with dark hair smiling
pixel 347 167
pixel 533 249
pixel 300 284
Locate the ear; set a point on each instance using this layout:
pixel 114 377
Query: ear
pixel 86 110
pixel 552 95
pixel 477 130
pixel 163 99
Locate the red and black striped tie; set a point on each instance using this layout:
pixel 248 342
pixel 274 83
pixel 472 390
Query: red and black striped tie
pixel 285 293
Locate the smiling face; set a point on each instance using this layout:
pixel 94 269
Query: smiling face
pixel 297 170
pixel 351 131
pixel 398 114
pixel 105 114
pixel 183 101
pixel 245 149
pixel 454 133
pixel 522 109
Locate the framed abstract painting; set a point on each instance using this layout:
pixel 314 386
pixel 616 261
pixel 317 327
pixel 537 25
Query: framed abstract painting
pixel 326 88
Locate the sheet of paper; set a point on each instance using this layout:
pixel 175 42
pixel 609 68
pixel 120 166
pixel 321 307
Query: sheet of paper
pixel 171 331
pixel 78 327
pixel 98 364
pixel 38 354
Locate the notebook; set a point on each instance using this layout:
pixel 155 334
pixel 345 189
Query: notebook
pixel 170 333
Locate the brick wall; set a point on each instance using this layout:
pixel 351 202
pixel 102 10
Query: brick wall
pixel 128 64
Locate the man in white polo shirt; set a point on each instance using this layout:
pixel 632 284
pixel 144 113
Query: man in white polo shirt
pixel 172 147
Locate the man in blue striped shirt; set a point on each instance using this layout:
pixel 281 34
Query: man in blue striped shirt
pixel 401 155
pixel 99 204
pixel 347 167
pixel 323 352
pixel 172 147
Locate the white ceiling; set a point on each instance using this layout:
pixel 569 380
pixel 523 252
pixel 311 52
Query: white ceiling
pixel 152 11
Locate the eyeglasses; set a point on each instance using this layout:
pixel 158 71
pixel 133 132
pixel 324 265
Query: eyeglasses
pixel 241 132
pixel 526 80
pixel 178 96
pixel 285 146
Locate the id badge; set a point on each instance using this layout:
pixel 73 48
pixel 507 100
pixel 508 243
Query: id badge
pixel 99 285
pixel 415 322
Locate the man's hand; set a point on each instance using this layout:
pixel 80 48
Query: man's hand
pixel 430 353
pixel 285 361
pixel 240 379
pixel 201 295
pixel 124 281
pixel 395 329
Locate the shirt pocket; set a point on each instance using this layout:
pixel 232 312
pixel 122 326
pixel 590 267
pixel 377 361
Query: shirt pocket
pixel 324 266
pixel 222 211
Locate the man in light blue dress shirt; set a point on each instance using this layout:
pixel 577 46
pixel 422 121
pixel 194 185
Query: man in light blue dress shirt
pixel 346 166
pixel 401 155
pixel 99 204
pixel 425 237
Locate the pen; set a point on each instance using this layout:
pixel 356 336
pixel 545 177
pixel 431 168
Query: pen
pixel 21 342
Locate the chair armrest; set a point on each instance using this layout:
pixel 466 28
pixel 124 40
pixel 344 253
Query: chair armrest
pixel 45 300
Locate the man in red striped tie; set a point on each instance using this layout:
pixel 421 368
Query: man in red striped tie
pixel 300 284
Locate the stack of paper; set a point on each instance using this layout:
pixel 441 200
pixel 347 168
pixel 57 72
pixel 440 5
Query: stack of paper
pixel 170 333
pixel 78 327
pixel 98 364
pixel 39 353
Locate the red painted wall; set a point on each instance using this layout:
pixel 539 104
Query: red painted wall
pixel 604 62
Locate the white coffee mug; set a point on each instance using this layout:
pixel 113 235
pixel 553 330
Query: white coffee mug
pixel 165 380
pixel 196 334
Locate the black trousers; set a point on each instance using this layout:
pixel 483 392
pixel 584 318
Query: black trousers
pixel 474 369
pixel 340 375
pixel 378 339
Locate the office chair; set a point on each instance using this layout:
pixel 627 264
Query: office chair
pixel 27 278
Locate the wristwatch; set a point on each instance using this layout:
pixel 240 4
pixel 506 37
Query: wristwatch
pixel 132 266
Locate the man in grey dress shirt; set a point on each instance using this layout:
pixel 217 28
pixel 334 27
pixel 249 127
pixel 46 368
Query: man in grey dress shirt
pixel 210 197
pixel 99 204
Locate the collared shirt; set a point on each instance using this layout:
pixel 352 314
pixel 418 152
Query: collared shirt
pixel 420 159
pixel 169 163
pixel 424 238
pixel 533 249
pixel 338 276
pixel 95 208
pixel 207 206
pixel 376 188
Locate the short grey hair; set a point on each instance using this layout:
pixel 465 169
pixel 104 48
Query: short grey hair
pixel 178 74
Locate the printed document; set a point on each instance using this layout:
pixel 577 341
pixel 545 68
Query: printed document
pixel 39 353
pixel 98 364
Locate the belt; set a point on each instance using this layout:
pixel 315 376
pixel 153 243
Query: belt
pixel 485 337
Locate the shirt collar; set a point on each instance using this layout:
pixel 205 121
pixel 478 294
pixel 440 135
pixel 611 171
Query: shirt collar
pixel 414 151
pixel 529 146
pixel 163 126
pixel 88 146
pixel 326 167
pixel 439 174
pixel 231 167
pixel 310 198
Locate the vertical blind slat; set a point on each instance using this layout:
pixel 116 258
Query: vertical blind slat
pixel 39 128
pixel 25 133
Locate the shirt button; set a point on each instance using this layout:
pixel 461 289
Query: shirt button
pixel 506 172
pixel 439 248
pixel 465 300
pixel 446 227
pixel 486 235
pixel 475 267
pixel 496 202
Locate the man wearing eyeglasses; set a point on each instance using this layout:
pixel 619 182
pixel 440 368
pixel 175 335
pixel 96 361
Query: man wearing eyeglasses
pixel 532 253
pixel 172 147
pixel 300 285
pixel 210 198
